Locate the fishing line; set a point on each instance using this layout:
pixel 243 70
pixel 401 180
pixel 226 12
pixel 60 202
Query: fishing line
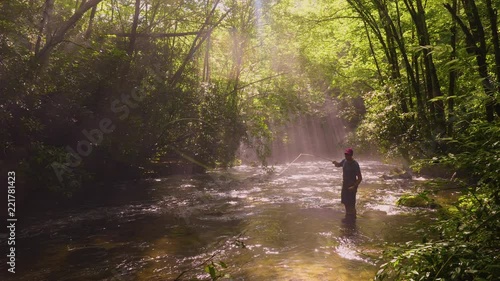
pixel 302 154
pixel 325 166
pixel 317 156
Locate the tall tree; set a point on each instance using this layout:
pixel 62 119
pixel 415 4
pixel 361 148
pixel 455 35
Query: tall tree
pixel 453 73
pixel 91 22
pixel 135 23
pixel 41 58
pixel 44 23
pixel 493 19
pixel 476 45
pixel 433 87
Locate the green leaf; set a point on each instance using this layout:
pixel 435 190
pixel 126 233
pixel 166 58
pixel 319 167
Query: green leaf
pixel 212 272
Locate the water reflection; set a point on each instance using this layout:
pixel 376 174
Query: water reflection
pixel 294 228
pixel 348 239
pixel 349 227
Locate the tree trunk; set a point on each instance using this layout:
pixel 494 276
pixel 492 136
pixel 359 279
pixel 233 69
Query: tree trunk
pixel 206 62
pixel 42 57
pixel 433 87
pixel 380 76
pixel 151 21
pixel 133 32
pixel 418 96
pixel 493 16
pixel 393 33
pixel 197 42
pixel 478 34
pixel 452 75
pixel 368 19
pixel 91 21
pixel 47 13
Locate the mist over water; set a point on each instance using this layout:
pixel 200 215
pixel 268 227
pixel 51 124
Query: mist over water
pixel 312 135
pixel 321 136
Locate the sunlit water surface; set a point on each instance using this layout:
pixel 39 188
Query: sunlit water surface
pixel 286 226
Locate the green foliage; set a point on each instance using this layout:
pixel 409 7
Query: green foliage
pixel 234 79
pixel 215 270
pixel 421 199
pixel 227 81
pixel 40 172
pixel 467 248
pixel 222 127
pixel 385 125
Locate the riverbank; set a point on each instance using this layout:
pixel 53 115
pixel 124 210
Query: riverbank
pixel 468 222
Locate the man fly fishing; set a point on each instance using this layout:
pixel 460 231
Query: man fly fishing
pixel 351 178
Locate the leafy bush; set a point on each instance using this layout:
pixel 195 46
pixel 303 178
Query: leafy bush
pixel 387 127
pixel 421 200
pixel 39 170
pixel 468 247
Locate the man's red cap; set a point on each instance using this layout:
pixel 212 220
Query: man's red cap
pixel 349 151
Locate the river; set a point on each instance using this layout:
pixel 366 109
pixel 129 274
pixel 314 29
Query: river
pixel 287 226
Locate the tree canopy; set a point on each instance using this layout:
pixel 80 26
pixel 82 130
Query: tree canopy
pixel 107 89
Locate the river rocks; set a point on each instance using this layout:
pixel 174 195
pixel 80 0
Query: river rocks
pixel 440 170
pixel 397 174
pixel 417 201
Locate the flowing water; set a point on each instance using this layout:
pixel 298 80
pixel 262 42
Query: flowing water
pixel 263 226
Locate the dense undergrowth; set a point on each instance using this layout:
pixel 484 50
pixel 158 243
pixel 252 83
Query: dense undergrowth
pixel 467 246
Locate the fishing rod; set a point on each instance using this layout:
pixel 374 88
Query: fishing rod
pixel 302 154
